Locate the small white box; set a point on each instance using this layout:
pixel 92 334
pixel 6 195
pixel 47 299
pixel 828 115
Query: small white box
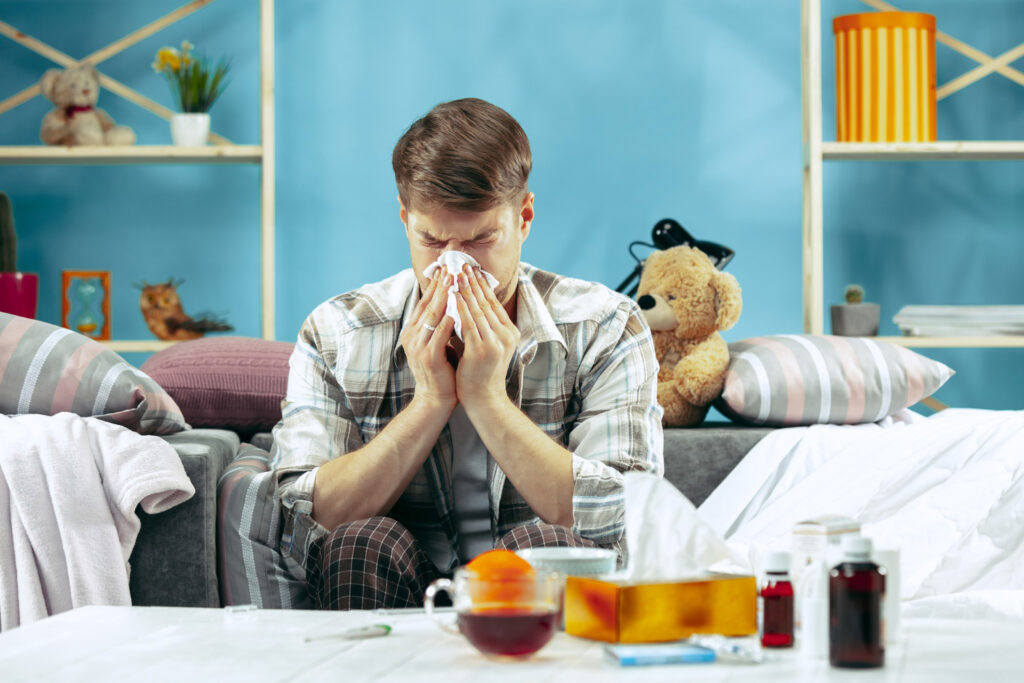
pixel 820 536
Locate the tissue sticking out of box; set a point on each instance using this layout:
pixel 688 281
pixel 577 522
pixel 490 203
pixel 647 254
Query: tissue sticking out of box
pixel 667 538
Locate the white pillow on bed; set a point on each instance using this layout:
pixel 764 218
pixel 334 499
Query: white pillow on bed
pixel 801 379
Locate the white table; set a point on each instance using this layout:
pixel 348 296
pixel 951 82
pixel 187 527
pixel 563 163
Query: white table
pixel 178 644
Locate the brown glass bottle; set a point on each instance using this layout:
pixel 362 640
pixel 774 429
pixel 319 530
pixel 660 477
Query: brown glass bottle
pixel 856 587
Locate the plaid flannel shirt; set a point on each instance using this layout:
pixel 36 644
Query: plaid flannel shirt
pixel 584 372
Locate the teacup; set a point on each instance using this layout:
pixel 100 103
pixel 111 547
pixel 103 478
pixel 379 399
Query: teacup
pixel 509 617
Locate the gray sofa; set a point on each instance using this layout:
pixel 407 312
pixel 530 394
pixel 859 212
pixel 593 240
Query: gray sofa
pixel 175 559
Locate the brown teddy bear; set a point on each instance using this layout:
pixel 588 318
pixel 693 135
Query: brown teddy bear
pixel 75 119
pixel 686 301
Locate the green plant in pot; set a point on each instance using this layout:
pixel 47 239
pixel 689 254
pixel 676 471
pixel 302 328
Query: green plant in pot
pixel 855 318
pixel 19 292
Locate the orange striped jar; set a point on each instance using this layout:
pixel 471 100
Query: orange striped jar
pixel 885 77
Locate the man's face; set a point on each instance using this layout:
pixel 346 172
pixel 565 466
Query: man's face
pixel 494 238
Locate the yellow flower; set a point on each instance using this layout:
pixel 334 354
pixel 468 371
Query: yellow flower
pixel 186 47
pixel 167 59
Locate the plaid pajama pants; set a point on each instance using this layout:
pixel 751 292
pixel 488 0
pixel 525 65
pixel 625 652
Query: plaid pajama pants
pixel 377 562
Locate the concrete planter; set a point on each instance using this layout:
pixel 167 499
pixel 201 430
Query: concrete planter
pixel 855 320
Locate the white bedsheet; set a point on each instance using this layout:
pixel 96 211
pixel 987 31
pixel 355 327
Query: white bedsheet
pixel 947 490
pixel 69 487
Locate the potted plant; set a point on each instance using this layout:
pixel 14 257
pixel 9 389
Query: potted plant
pixel 855 318
pixel 19 292
pixel 195 85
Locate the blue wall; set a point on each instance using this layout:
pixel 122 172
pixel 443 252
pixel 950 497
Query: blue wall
pixel 636 110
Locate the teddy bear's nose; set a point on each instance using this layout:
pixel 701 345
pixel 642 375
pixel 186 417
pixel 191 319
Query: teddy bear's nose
pixel 646 302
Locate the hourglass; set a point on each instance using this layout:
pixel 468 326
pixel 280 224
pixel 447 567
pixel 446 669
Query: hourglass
pixel 85 305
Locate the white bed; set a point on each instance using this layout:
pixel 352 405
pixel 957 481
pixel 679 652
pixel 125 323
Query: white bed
pixel 947 490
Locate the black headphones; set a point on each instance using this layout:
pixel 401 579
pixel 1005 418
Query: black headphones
pixel 668 233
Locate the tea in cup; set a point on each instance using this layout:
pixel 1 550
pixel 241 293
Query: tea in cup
pixel 509 616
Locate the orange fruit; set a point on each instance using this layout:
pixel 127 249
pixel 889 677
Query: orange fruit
pixel 499 564
pixel 499 578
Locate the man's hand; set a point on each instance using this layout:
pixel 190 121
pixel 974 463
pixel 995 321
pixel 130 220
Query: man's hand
pixel 424 340
pixel 489 338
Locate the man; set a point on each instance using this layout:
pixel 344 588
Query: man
pixel 405 450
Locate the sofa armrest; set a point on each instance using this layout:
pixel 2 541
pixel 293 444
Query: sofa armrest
pixel 174 562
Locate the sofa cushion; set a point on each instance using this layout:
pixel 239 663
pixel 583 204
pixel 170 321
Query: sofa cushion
pixel 232 383
pixel 697 459
pixel 45 369
pixel 802 379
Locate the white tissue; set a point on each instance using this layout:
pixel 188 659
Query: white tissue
pixel 667 539
pixel 453 261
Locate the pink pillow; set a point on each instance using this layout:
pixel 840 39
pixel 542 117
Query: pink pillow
pixel 234 383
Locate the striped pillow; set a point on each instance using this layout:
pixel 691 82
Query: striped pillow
pixel 252 568
pixel 796 379
pixel 46 369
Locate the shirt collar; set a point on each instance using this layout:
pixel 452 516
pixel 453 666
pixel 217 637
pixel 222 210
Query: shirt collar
pixel 536 326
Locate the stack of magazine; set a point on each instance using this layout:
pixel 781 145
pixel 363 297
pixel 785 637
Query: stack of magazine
pixel 960 321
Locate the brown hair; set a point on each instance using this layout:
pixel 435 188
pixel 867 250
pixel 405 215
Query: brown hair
pixel 464 155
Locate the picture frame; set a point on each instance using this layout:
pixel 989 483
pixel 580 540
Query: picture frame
pixel 85 302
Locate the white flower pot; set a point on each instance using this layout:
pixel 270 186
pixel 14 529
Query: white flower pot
pixel 191 129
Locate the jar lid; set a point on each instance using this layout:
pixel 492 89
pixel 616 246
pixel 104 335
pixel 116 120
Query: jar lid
pixel 849 22
pixel 858 547
pixel 777 561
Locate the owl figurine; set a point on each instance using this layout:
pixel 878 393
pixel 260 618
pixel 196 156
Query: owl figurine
pixel 161 308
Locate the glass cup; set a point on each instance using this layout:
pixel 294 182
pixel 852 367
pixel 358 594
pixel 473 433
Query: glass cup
pixel 505 617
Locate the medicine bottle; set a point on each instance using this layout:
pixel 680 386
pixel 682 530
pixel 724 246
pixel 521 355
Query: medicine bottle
pixel 777 601
pixel 856 587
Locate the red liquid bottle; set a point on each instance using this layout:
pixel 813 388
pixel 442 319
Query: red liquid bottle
pixel 777 601
pixel 856 587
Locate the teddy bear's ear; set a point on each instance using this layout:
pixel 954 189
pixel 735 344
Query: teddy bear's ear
pixel 92 71
pixel 729 299
pixel 49 80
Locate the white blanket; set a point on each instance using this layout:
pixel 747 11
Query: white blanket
pixel 947 490
pixel 69 487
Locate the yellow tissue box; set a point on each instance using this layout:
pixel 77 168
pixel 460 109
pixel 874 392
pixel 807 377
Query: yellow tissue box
pixel 640 612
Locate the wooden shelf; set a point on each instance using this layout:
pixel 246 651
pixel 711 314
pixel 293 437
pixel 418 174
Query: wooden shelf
pixel 980 150
pixel 135 154
pixel 139 345
pixel 998 341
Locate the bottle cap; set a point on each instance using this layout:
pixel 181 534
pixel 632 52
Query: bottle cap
pixel 857 547
pixel 777 561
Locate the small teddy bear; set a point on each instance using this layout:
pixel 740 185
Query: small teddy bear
pixel 75 119
pixel 686 301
